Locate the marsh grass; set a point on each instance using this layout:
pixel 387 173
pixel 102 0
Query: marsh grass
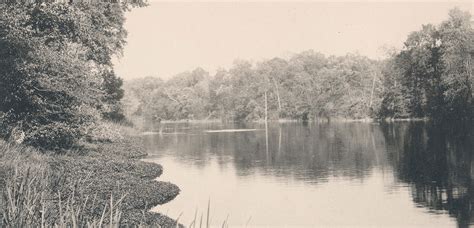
pixel 28 202
pixel 30 195
pixel 105 185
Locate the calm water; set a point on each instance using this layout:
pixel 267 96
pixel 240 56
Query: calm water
pixel 337 174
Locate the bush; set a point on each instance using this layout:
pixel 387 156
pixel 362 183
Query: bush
pixel 55 136
pixel 104 132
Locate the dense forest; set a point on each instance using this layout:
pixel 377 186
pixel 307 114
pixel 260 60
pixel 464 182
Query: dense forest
pixel 431 76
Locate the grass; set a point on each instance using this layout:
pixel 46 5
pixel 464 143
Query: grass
pixel 103 185
pixel 27 202
pixel 198 222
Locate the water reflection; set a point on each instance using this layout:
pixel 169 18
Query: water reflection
pixel 437 163
pixel 326 164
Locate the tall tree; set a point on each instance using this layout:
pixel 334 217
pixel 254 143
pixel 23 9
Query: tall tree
pixel 457 40
pixel 52 64
pixel 435 68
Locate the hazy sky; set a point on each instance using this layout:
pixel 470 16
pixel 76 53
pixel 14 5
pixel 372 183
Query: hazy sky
pixel 167 38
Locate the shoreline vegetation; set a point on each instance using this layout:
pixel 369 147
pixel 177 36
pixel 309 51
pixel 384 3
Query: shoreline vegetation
pixel 88 180
pixel 144 125
pixel 325 120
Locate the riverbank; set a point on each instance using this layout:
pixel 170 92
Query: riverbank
pixel 100 174
pixel 316 120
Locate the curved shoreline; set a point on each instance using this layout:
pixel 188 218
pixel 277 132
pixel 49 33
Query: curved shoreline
pixel 121 163
pixel 94 177
pixel 102 173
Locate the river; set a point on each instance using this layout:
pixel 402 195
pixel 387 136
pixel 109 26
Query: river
pixel 317 174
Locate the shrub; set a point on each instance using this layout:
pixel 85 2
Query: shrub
pixel 55 136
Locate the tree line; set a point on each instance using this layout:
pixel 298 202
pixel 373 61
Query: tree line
pixel 305 86
pixel 430 77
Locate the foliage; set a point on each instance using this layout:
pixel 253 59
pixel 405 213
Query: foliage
pixel 394 99
pixel 55 70
pixel 183 97
pixel 432 75
pixel 112 86
pixel 308 84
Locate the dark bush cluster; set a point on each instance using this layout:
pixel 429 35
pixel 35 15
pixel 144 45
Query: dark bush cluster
pixel 55 136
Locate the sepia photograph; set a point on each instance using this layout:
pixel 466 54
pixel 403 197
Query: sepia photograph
pixel 236 113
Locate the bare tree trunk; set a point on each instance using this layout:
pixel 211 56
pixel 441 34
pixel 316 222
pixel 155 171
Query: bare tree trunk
pixel 278 95
pixel 470 80
pixel 266 125
pixel 279 140
pixel 266 109
pixel 170 97
pixel 372 92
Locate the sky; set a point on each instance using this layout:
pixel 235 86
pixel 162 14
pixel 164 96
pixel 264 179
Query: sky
pixel 167 38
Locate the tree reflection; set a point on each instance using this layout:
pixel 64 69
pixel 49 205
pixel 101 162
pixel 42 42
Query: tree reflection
pixel 437 163
pixel 310 152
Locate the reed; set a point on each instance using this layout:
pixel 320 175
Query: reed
pixel 194 223
pixel 28 202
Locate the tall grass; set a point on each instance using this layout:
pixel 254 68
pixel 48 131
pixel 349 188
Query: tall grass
pixel 44 189
pixel 28 200
pixel 204 219
pixel 199 223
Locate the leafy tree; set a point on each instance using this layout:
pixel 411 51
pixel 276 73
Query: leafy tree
pixel 431 76
pixel 273 73
pixel 457 41
pixel 394 97
pixel 53 60
pixel 113 94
